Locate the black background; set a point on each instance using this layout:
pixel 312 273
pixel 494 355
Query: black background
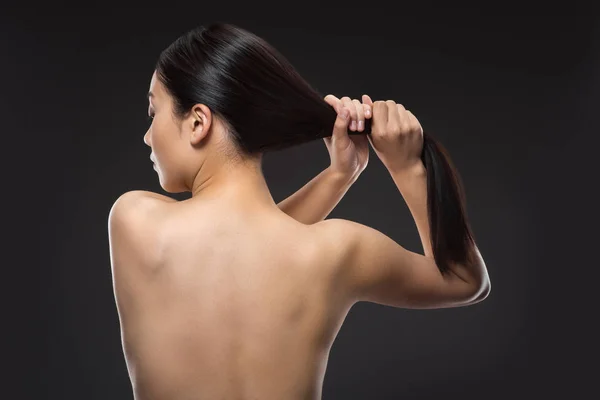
pixel 512 97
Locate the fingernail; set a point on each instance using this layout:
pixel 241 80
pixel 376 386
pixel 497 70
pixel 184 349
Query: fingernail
pixel 361 125
pixel 368 113
pixel 345 113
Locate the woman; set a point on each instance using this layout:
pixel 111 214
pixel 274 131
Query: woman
pixel 228 295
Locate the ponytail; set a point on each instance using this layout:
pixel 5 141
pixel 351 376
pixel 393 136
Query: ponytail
pixel 268 106
pixel 452 240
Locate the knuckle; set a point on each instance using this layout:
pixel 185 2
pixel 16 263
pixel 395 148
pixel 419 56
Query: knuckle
pixel 394 128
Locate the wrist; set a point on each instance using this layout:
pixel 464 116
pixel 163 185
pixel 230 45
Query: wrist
pixel 341 177
pixel 406 177
pixel 416 171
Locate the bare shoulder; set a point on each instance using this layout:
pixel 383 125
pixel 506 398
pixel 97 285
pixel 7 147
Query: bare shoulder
pixel 138 209
pixel 133 225
pixel 143 197
pixel 338 239
pixel 138 204
pixel 373 267
pixel 342 235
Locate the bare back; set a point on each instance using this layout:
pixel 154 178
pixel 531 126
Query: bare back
pixel 239 306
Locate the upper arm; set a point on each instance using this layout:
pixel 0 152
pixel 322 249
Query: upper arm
pixel 377 269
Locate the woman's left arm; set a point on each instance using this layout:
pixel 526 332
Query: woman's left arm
pixel 349 157
pixel 315 200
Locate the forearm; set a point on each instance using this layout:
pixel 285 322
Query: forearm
pixel 315 200
pixel 413 187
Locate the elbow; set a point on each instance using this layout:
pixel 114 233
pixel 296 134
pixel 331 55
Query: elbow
pixel 481 294
pixel 485 291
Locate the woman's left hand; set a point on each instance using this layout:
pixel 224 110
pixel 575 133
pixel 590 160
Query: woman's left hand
pixel 349 154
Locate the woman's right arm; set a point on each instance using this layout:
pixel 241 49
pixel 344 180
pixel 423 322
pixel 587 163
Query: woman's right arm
pixel 377 269
pixel 372 267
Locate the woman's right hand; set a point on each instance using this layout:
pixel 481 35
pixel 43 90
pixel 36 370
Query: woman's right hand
pixel 396 135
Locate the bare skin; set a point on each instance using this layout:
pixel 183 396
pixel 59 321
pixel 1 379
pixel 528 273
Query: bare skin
pixel 243 305
pixel 228 295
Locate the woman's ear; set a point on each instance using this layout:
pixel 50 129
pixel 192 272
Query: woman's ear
pixel 201 121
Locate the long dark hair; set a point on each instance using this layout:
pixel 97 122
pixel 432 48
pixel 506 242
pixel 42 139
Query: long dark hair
pixel 266 105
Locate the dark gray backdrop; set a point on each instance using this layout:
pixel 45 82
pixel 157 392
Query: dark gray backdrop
pixel 513 98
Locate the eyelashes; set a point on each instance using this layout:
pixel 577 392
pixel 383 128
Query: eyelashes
pixel 150 117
